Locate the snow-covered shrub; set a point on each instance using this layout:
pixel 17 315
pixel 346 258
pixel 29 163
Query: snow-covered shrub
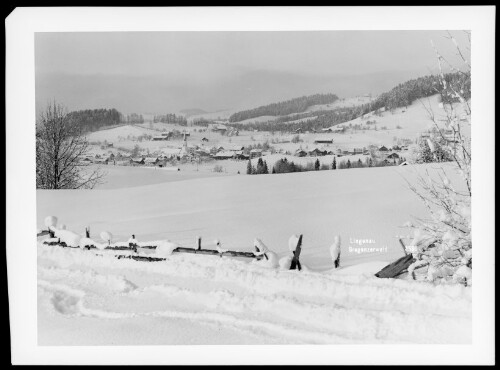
pixel 70 238
pixel 285 262
pixel 292 242
pixel 463 275
pixel 50 221
pixel 106 236
pixel 269 258
pixel 84 242
pixel 133 241
pixel 260 247
pixel 165 248
pixel 443 242
pixel 270 261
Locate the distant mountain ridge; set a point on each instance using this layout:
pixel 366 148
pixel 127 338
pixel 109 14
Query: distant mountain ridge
pixel 192 112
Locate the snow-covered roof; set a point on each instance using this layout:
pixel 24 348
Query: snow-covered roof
pixel 225 153
pixel 219 127
pixel 317 150
pixel 169 151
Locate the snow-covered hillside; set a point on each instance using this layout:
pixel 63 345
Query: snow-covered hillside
pixel 88 299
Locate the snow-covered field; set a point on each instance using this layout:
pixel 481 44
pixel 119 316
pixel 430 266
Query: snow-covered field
pixel 90 299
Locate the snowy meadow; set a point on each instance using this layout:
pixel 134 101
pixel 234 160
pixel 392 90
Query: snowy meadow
pixel 89 297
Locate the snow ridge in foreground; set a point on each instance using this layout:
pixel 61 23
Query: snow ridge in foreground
pixel 259 303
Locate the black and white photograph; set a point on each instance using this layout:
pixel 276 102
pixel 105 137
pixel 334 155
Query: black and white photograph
pixel 266 187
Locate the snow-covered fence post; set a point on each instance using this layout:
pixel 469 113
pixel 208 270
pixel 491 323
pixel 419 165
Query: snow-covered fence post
pixel 335 252
pixel 132 243
pixel 403 245
pixel 50 223
pixel 296 254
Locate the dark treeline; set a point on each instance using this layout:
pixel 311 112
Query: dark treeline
pixel 202 122
pixel 400 96
pixel 134 118
pixel 406 93
pixel 94 119
pixel 171 118
pixel 296 105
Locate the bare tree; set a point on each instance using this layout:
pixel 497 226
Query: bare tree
pixel 443 243
pixel 60 150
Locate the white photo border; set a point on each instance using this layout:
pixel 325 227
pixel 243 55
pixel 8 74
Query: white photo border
pixel 21 195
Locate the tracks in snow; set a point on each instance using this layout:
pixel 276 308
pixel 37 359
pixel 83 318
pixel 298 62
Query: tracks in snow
pixel 288 306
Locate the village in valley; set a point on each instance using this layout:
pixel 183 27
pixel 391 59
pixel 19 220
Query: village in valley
pixel 215 147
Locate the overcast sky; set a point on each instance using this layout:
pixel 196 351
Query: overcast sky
pixel 90 68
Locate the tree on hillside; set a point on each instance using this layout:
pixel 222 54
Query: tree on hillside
pixel 316 165
pixel 260 166
pixel 443 242
pixel 135 151
pixel 348 163
pixel 334 164
pixel 60 150
pixel 249 167
pixel 265 169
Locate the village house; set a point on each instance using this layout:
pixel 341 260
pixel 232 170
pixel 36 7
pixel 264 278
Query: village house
pixel 323 141
pixel 241 155
pixel 227 154
pixel 316 152
pixel 255 153
pixel 137 161
pixel 101 161
pixel 218 128
pixel 300 153
pixel 383 149
pixel 150 161
pixel 202 152
pixel 393 156
pixel 204 139
pixel 160 138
